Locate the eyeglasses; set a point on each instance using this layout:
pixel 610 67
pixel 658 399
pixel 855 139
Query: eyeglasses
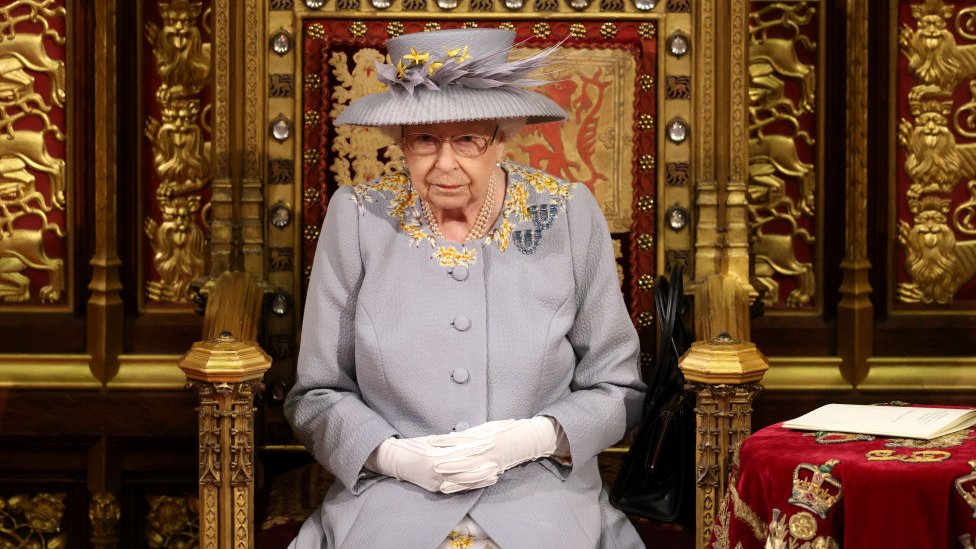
pixel 466 145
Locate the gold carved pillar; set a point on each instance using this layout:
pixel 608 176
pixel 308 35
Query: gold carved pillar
pixel 237 231
pixel 855 311
pixel 724 373
pixel 226 370
pixel 721 278
pixel 723 367
pixel 225 373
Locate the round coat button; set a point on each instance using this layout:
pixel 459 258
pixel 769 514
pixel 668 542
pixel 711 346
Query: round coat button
pixel 461 323
pixel 459 375
pixel 459 272
pixel 461 426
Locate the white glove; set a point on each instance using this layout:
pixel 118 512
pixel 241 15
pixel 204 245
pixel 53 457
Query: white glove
pixel 435 469
pixel 512 442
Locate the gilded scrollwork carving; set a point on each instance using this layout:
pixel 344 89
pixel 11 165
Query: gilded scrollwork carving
pixel 782 188
pixel 226 454
pixel 182 57
pixel 18 99
pixel 25 204
pixel 29 50
pixel 933 160
pixel 178 243
pixel 180 150
pixel 723 415
pixel 933 55
pixel 32 521
pixel 104 513
pixel 937 263
pixel 172 522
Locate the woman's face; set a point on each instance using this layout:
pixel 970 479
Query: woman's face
pixel 449 180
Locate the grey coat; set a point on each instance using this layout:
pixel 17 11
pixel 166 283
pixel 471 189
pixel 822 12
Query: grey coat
pixel 396 342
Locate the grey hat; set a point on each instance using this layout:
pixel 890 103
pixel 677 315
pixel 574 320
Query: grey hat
pixel 454 76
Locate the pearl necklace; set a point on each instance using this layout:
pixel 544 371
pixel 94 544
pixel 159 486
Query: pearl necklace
pixel 480 226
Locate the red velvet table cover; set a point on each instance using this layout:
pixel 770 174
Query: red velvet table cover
pixel 805 490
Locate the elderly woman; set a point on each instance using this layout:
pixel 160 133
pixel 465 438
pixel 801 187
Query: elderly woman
pixel 466 351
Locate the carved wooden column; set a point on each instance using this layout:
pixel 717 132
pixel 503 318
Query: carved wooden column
pixel 724 373
pixel 225 373
pixel 855 312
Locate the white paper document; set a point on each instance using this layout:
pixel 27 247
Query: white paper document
pixel 889 421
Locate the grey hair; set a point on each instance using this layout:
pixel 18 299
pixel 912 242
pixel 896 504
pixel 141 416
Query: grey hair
pixel 508 129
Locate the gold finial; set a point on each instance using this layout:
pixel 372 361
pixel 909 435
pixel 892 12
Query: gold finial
pixel 723 360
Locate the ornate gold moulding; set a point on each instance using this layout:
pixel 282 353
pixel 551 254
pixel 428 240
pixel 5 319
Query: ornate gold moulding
pixel 915 374
pixel 479 16
pixel 74 372
pixel 47 372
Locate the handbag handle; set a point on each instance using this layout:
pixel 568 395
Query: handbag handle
pixel 674 334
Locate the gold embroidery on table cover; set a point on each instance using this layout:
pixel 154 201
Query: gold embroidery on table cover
pixel 599 85
pixel 32 521
pixel 830 437
pixel 815 488
pixel 783 183
pixel 966 487
pixel 33 191
pixel 950 440
pixel 745 513
pixel 936 189
pixel 920 456
pixel 180 151
pixel 802 526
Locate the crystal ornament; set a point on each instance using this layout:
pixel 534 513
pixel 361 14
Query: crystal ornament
pixel 280 215
pixel 678 44
pixel 281 42
pixel 280 128
pixel 279 304
pixel 677 218
pixel 677 131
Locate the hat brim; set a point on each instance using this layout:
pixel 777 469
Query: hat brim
pixel 450 104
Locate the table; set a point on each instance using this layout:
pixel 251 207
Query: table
pixel 804 490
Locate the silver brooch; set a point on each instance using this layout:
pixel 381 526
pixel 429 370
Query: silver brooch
pixel 543 215
pixel 527 241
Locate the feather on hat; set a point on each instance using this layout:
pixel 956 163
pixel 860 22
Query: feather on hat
pixel 454 76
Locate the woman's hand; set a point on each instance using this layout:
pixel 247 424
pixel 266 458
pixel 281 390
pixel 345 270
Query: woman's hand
pixel 445 469
pixel 511 442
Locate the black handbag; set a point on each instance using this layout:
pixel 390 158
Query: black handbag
pixel 656 479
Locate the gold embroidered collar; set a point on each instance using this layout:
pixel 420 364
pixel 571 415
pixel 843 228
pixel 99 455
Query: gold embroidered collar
pixel 404 208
